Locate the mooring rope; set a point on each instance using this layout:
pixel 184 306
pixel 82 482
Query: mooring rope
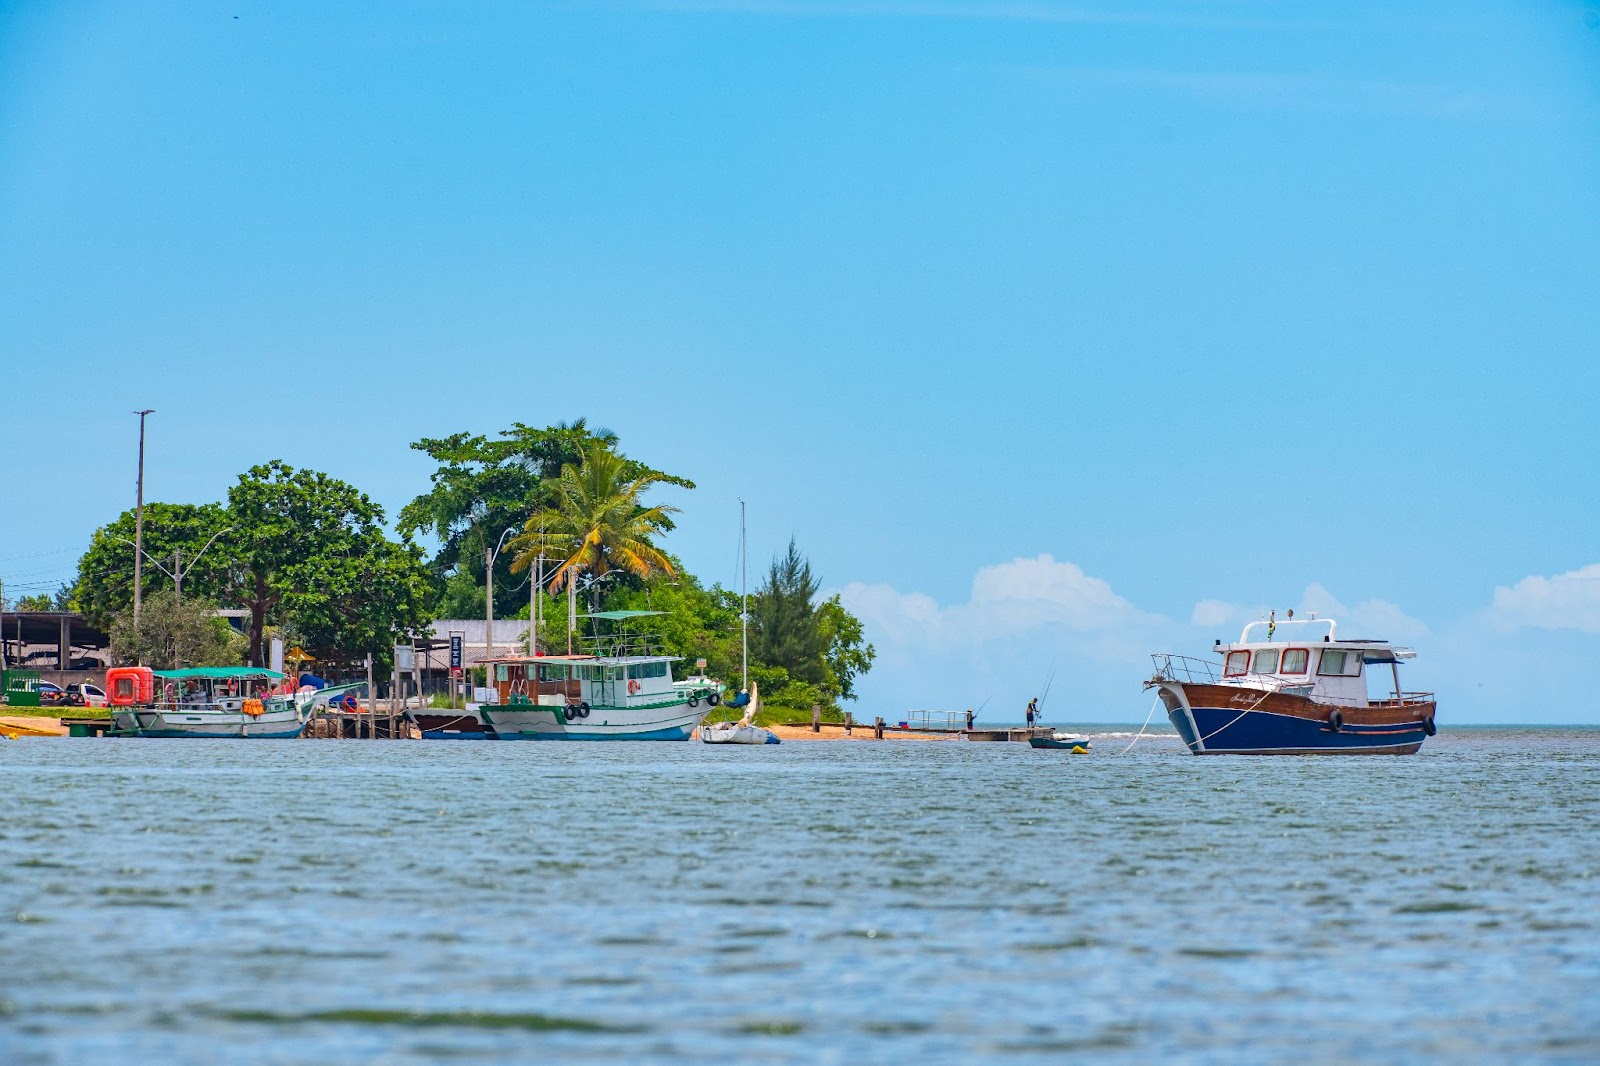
pixel 1140 733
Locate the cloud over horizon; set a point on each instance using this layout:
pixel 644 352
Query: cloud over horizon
pixel 1569 600
pixel 1007 600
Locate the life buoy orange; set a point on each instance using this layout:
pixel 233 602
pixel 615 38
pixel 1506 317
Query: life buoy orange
pixel 633 688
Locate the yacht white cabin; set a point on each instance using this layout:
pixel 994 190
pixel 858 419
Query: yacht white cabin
pixel 1306 657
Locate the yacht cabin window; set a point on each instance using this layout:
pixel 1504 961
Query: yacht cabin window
pixel 1337 662
pixel 1294 661
pixel 1238 664
pixel 1267 661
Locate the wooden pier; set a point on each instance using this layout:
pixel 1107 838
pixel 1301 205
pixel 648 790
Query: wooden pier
pixel 359 725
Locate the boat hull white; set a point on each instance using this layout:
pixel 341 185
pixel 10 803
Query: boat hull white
pixel 736 733
pixel 670 721
pixel 284 723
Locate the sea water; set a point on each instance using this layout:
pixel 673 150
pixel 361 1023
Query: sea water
pixel 323 901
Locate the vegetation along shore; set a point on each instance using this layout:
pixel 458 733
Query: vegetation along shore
pixel 559 512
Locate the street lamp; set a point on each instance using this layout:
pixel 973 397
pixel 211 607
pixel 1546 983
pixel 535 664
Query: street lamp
pixel 178 570
pixel 488 592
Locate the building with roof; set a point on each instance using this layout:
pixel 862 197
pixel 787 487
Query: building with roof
pixel 61 645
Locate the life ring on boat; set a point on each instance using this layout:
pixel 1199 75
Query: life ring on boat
pixel 1335 720
pixel 633 688
pixel 713 699
pixel 253 708
pixel 1428 727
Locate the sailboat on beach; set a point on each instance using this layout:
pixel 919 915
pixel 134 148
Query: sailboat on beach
pixel 744 731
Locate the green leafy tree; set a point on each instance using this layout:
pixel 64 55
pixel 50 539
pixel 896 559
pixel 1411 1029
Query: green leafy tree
pixel 598 522
pixel 171 634
pixel 311 549
pixel 104 585
pixel 40 601
pixel 847 655
pixel 485 485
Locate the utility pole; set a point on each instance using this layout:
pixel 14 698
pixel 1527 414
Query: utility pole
pixel 177 573
pixel 572 607
pixel 533 607
pixel 138 523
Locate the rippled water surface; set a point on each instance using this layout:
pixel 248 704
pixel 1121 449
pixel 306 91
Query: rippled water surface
pixel 348 901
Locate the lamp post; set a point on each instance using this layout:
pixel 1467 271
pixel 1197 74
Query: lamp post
pixel 138 522
pixel 488 593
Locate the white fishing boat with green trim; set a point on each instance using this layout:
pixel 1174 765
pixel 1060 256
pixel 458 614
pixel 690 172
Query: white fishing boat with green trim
pixel 624 691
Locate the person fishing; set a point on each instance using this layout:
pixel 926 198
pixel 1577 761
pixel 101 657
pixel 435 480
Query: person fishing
pixel 1033 711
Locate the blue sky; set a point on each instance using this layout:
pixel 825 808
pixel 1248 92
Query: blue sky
pixel 1056 333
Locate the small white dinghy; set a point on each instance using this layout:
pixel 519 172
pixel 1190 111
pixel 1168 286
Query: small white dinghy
pixel 744 731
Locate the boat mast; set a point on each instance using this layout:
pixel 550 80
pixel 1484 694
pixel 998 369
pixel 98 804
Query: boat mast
pixel 744 601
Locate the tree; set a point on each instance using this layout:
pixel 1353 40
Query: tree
pixel 43 601
pixel 313 546
pixel 804 652
pixel 104 585
pixel 598 522
pixel 786 631
pixel 171 634
pixel 847 656
pixel 486 485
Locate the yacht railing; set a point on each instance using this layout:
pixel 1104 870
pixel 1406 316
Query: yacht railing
pixel 1184 668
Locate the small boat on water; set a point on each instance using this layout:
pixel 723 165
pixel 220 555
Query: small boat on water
pixel 623 691
pixel 1299 694
pixel 240 702
pixel 1078 745
pixel 744 731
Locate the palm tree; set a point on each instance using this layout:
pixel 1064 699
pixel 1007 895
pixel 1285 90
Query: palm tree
pixel 598 523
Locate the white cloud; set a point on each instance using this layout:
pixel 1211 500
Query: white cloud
pixel 1373 619
pixel 1565 601
pixel 1007 600
pixel 1220 613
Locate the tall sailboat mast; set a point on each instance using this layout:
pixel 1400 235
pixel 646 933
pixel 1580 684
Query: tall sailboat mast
pixel 744 601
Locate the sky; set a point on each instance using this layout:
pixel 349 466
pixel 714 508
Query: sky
pixel 1055 333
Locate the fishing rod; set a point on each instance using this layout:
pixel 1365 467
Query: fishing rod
pixel 1038 712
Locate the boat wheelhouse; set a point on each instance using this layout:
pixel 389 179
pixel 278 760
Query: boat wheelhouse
pixel 1294 688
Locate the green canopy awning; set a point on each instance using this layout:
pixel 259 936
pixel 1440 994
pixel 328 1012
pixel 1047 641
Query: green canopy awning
pixel 617 616
pixel 223 672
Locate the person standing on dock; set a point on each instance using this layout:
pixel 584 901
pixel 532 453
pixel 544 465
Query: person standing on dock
pixel 1033 711
pixel 969 719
